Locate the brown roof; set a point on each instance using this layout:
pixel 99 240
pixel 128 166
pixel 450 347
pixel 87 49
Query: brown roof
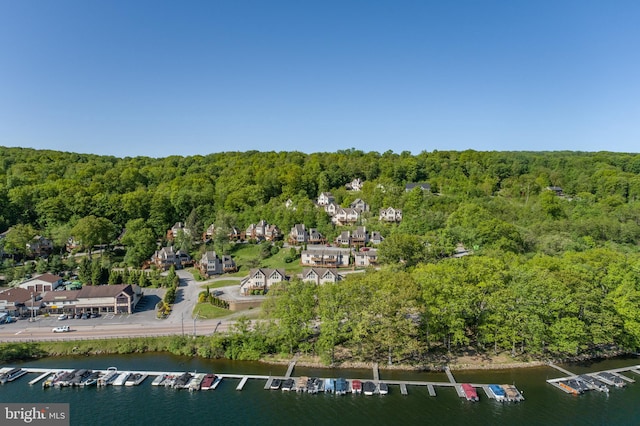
pixel 55 296
pixel 50 278
pixel 104 291
pixel 15 295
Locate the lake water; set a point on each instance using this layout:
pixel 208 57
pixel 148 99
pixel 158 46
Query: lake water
pixel 149 405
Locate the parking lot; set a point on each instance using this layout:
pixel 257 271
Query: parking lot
pixel 144 313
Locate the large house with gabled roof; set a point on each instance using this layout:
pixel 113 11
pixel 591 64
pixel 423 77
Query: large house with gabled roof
pixel 328 257
pixel 390 215
pixel 212 264
pixel 260 280
pixel 42 283
pixel 321 275
pixel 366 257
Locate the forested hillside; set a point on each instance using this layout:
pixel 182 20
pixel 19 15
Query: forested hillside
pixel 549 273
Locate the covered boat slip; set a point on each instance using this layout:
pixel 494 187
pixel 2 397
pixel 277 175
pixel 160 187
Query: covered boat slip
pixel 600 380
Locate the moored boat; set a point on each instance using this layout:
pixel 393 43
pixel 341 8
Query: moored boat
pixel 329 385
pixel 356 386
pixel 368 388
pixel 342 386
pixel 383 388
pixel 594 383
pixel 51 380
pixel 182 380
pixel 302 384
pixel 64 378
pixel 121 379
pixel 275 384
pixel 608 377
pixel 207 382
pixel 158 380
pixel 135 379
pixel 497 393
pixel 514 395
pixel 288 385
pixel 196 381
pixel 470 392
pixel 108 377
pixel 170 380
pixel 90 379
pixel 11 375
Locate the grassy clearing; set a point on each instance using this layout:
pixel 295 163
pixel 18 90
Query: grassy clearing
pixel 221 283
pixel 208 311
pixel 245 254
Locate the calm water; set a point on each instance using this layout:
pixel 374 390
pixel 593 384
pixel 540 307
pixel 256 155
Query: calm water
pixel 151 405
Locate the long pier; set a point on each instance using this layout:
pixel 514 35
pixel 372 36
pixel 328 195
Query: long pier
pixel 578 383
pixel 244 378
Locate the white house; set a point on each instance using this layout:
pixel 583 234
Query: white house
pixel 261 279
pixel 328 257
pixel 321 275
pixel 42 283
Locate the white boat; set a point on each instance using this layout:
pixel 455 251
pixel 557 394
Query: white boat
pixel 121 379
pixel 135 379
pixel 383 388
pixel 195 383
pixel 169 381
pixel 108 377
pixel 12 374
pixel 158 380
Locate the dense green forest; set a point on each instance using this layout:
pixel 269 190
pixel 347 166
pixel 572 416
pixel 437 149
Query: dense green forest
pixel 549 274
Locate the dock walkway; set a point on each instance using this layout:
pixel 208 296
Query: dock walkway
pixel 244 378
pixel 292 364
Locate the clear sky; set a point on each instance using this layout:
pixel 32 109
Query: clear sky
pixel 159 78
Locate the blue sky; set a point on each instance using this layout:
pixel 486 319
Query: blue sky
pixel 161 78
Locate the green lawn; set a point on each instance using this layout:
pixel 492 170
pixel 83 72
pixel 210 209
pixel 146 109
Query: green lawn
pixel 208 311
pixel 221 283
pixel 244 254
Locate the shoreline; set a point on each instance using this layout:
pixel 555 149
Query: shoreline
pixel 461 363
pixel 469 360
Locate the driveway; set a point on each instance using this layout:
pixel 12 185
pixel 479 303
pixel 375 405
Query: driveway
pixel 186 298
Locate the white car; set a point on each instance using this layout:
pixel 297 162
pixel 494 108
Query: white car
pixel 62 317
pixel 61 329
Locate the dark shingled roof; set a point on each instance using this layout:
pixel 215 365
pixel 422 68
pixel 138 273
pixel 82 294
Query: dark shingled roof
pixel 104 290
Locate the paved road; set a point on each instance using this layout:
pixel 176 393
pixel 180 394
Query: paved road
pixel 42 330
pixel 144 323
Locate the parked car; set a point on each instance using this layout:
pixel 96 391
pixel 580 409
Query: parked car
pixel 84 316
pixel 78 316
pixel 62 317
pixel 61 329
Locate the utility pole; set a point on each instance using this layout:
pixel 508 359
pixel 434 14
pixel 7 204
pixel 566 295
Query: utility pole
pixel 194 323
pixel 32 300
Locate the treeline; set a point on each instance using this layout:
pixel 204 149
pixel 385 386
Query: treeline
pixel 534 306
pixel 495 198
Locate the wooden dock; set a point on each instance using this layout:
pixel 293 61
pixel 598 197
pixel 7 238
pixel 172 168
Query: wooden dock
pixel 292 364
pixel 267 385
pixel 403 389
pixel 376 373
pixel 569 387
pixel 40 377
pixel 268 380
pixel 242 383
pixel 486 390
pixel 449 375
pixel 567 372
pixel 432 390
